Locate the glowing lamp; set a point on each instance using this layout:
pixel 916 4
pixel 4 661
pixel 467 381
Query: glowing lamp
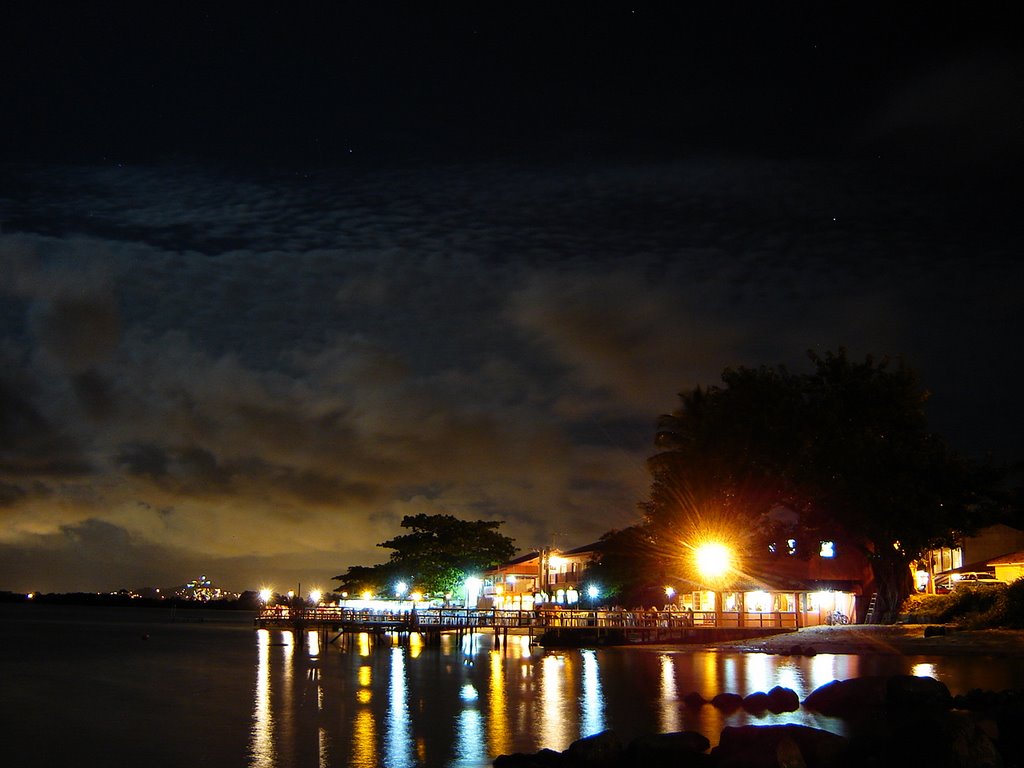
pixel 713 560
pixel 473 585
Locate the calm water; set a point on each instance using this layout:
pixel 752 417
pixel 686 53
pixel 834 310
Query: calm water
pixel 81 686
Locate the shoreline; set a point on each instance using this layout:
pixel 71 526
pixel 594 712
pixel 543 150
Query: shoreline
pixel 891 639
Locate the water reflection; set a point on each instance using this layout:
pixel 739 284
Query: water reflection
pixel 669 711
pixel 261 745
pixel 364 740
pixel 554 712
pixel 398 749
pixel 923 670
pixel 470 745
pixel 406 704
pixel 592 701
pixel 498 733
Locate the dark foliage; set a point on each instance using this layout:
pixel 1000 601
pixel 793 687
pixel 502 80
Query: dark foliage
pixel 845 449
pixel 435 557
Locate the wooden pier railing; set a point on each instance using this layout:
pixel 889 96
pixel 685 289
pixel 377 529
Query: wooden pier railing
pixel 437 620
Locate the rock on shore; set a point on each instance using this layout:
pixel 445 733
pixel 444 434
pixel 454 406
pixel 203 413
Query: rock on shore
pixel 894 721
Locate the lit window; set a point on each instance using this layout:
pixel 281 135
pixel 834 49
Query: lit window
pixel 791 546
pixel 828 549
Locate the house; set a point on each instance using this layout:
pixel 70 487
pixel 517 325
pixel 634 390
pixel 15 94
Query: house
pixel 1009 567
pixel 972 553
pixel 549 576
pixel 512 585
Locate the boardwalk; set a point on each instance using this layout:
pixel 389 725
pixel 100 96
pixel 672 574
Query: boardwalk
pixel 551 627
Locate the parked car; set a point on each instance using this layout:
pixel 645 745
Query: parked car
pixel 975 579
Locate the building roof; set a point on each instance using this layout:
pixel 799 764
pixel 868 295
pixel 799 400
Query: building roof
pixel 1012 558
pixel 594 548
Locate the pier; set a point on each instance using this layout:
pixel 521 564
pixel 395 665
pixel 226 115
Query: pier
pixel 550 628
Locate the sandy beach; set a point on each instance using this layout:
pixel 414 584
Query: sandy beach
pixel 904 639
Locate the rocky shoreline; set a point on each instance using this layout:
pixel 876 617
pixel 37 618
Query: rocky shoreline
pixel 894 721
pixel 901 639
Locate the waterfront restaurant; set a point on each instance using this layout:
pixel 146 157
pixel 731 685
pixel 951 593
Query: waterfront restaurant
pixel 780 591
pixel 788 590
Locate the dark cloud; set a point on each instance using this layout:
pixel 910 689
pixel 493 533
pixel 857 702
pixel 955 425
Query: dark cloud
pixel 469 285
pixel 496 346
pixel 145 460
pixel 77 332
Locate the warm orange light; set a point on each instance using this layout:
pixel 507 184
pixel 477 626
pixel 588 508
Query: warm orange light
pixel 713 560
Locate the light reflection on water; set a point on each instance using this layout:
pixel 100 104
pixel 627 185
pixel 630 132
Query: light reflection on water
pixel 382 702
pixel 142 689
pixel 592 701
pixel 262 745
pixel 398 746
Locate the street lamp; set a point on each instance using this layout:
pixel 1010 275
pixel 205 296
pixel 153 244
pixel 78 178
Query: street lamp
pixel 714 560
pixel 473 585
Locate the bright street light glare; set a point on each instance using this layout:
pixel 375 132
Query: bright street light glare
pixel 713 559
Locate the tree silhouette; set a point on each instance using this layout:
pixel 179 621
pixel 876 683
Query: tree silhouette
pixel 436 556
pixel 846 449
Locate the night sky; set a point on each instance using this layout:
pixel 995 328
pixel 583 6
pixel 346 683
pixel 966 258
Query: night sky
pixel 271 280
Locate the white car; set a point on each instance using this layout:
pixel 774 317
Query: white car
pixel 976 579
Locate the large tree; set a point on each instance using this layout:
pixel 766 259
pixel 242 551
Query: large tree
pixel 436 556
pixel 845 448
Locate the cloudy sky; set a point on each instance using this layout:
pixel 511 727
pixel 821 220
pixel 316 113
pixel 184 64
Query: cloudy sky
pixel 270 282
